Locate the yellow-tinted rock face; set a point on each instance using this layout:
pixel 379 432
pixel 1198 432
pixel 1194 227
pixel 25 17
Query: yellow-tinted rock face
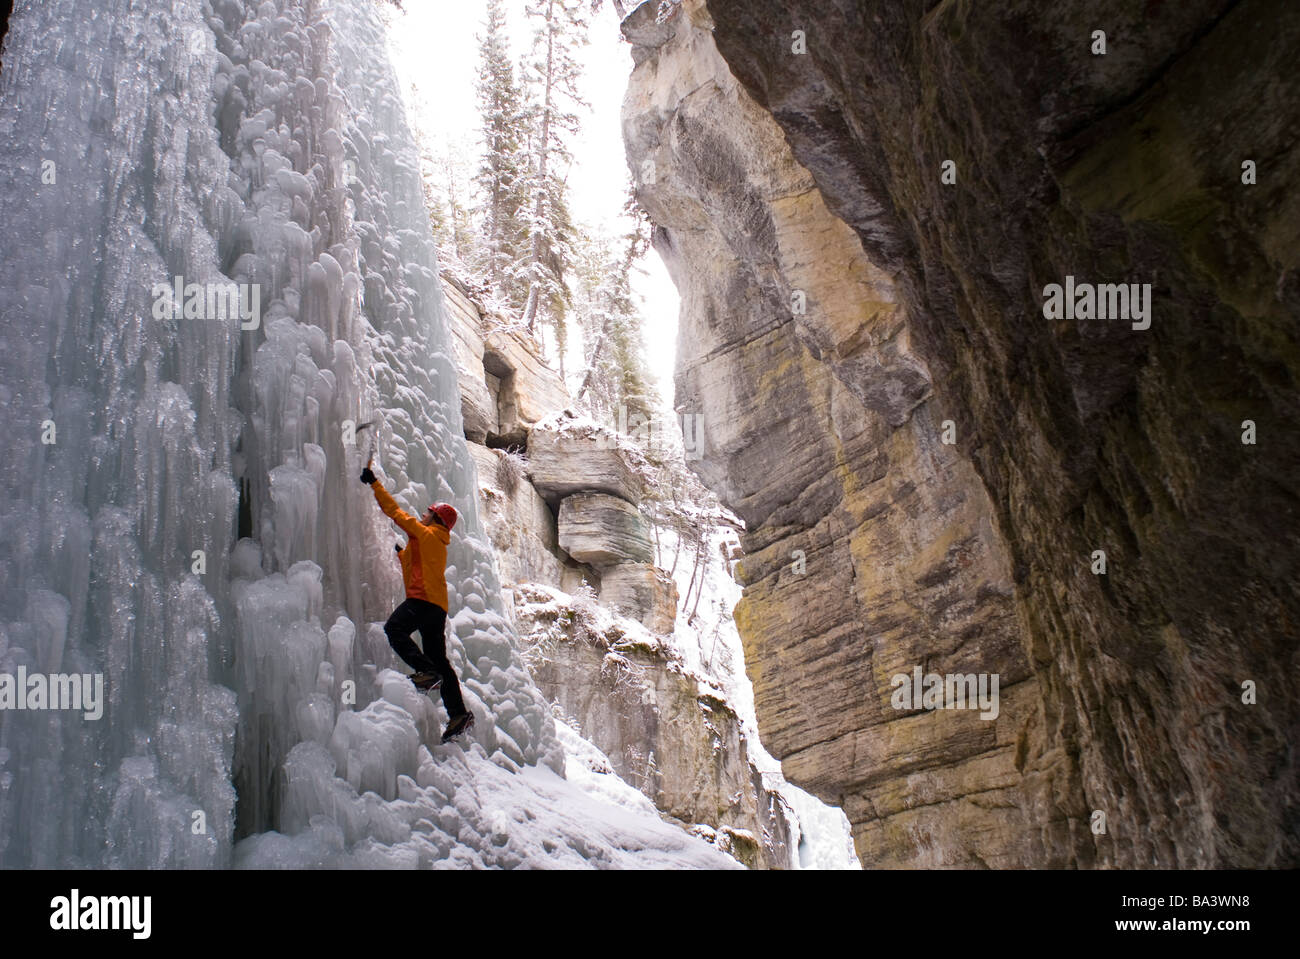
pixel 1121 692
pixel 869 544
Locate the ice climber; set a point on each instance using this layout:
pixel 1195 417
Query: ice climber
pixel 424 572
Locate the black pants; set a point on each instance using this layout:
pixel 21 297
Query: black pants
pixel 431 620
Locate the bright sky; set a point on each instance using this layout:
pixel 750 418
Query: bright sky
pixel 435 49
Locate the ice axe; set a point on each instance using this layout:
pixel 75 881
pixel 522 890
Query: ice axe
pixel 370 454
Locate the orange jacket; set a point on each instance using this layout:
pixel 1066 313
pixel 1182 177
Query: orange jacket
pixel 424 561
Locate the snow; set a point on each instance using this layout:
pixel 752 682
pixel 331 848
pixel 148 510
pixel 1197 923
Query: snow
pixel 821 834
pixel 590 769
pixel 421 806
pixel 575 425
pixel 264 143
pixel 711 647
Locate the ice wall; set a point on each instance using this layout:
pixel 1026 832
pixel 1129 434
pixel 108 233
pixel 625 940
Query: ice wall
pixel 335 231
pixel 263 143
pixel 108 188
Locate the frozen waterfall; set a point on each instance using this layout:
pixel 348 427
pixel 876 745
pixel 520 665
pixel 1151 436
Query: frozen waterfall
pixel 180 502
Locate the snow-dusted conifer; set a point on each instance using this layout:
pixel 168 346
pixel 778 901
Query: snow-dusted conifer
pixel 503 177
pixel 616 373
pixel 561 30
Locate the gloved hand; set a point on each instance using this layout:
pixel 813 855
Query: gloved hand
pixel 397 547
pixel 367 477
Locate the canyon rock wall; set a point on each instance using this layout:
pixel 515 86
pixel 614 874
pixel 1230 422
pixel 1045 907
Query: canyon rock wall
pixel 844 311
pixel 665 730
pixel 565 513
pixel 868 545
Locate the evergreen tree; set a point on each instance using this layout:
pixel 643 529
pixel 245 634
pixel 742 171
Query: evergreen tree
pixel 458 227
pixel 561 31
pixel 445 177
pixel 503 178
pixel 616 371
pixel 619 7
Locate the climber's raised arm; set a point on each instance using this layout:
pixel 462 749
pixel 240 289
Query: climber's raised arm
pixel 409 524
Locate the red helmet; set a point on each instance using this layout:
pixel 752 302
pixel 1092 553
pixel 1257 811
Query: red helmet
pixel 445 512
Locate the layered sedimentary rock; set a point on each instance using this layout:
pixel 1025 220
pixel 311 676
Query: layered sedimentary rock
pixel 868 548
pixel 603 530
pixel 665 731
pixel 518 521
pixel 505 385
pixel 561 492
pixel 569 456
pixel 642 591
pixel 527 389
pixel 565 517
pixel 478 406
pixel 774 172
